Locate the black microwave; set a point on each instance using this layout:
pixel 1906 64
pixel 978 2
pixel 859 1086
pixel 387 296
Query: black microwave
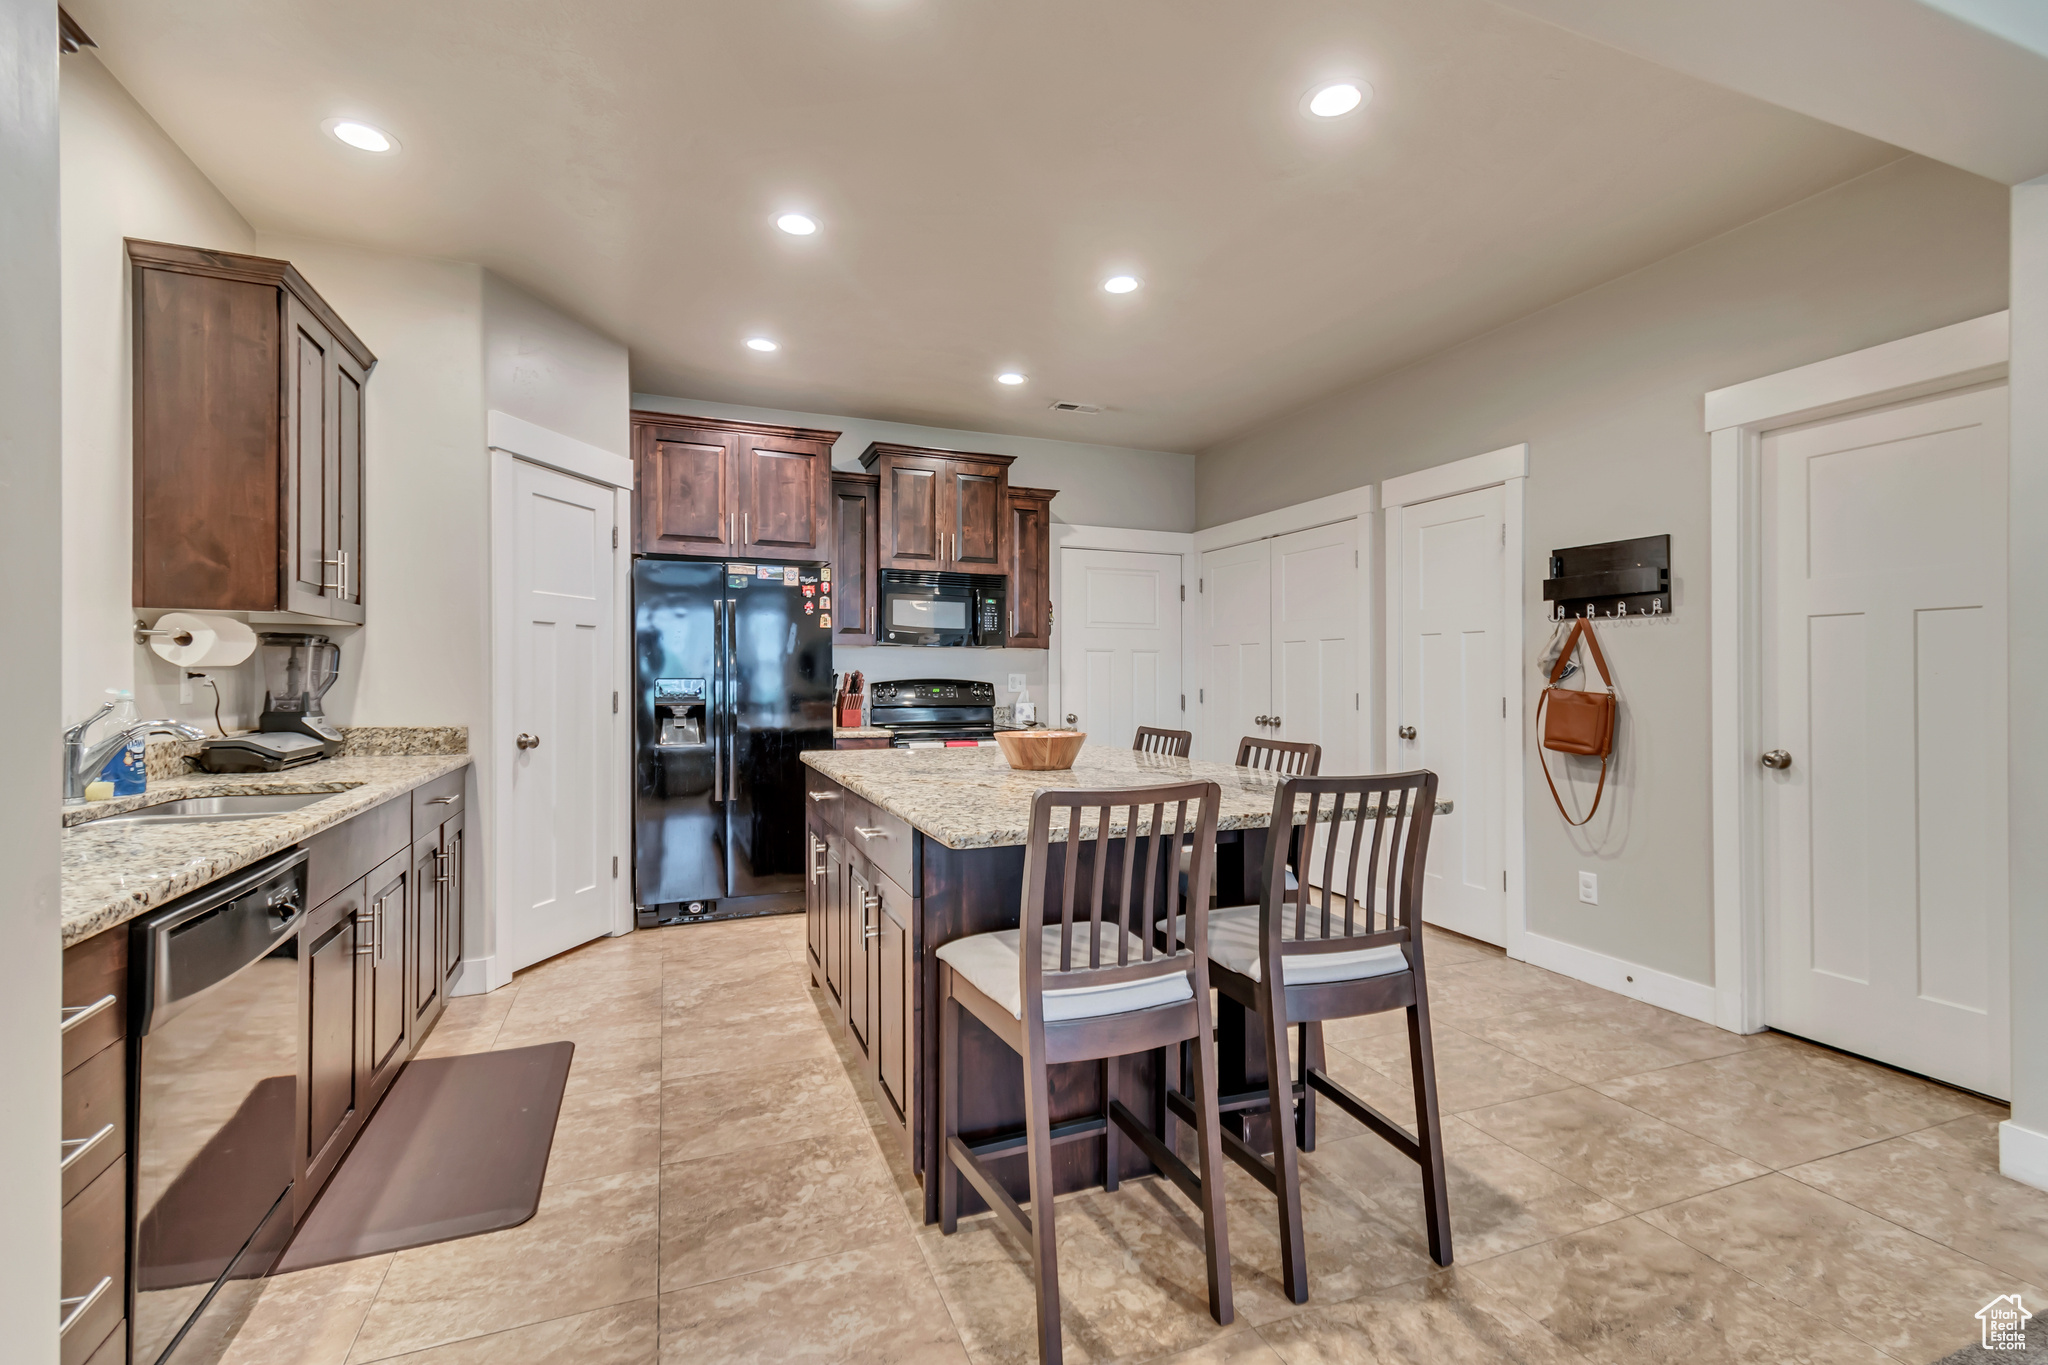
pixel 919 608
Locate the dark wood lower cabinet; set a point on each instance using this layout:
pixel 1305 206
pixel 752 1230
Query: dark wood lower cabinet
pixel 390 1014
pixel 863 904
pixel 894 975
pixel 94 1273
pixel 337 938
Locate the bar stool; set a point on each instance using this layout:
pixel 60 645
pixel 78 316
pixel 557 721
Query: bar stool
pixel 1072 984
pixel 1287 756
pixel 1357 951
pixel 1173 743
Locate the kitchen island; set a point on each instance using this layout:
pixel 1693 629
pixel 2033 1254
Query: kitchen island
pixel 912 848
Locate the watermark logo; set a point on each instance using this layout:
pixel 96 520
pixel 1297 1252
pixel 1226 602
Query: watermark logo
pixel 2005 1323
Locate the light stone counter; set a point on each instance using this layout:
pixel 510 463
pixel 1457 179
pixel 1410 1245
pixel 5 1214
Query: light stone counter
pixel 861 732
pixel 112 873
pixel 972 798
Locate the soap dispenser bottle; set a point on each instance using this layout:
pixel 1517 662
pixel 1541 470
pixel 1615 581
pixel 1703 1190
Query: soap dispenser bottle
pixel 127 770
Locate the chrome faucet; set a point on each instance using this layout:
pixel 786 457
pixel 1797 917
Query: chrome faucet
pixel 81 764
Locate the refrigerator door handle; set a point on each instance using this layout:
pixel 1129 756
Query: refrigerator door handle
pixel 711 719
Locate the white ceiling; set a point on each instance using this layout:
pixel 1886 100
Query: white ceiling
pixel 978 169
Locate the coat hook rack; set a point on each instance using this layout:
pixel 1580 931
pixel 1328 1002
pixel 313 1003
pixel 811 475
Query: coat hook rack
pixel 1619 578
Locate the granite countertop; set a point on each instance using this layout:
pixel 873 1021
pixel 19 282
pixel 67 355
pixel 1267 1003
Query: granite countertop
pixel 973 798
pixel 112 873
pixel 861 732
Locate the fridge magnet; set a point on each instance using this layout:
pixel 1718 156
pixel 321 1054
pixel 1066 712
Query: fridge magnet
pixel 770 571
pixel 825 603
pixel 825 573
pixel 746 569
pixel 789 576
pixel 808 606
pixel 824 620
pixel 810 590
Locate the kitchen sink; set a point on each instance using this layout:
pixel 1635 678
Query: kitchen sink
pixel 209 810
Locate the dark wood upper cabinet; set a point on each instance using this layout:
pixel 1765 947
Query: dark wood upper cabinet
pixel 942 510
pixel 855 499
pixel 705 487
pixel 1030 567
pixel 248 458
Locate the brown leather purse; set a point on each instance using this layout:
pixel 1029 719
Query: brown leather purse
pixel 1572 721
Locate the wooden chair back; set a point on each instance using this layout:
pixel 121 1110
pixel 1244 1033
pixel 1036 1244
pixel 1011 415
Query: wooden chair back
pixel 1173 743
pixel 1369 893
pixel 1140 831
pixel 1292 757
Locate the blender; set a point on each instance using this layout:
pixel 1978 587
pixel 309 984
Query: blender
pixel 293 729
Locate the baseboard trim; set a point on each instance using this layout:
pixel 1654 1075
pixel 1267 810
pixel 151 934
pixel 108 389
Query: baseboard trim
pixel 1693 999
pixel 479 976
pixel 2023 1154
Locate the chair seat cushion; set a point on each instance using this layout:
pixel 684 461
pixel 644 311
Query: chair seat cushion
pixel 1234 943
pixel 993 964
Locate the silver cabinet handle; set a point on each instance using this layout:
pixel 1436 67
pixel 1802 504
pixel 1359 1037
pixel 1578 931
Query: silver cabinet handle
pixel 872 933
pixel 817 863
pixel 326 586
pixel 74 1015
pixel 824 796
pixel 871 833
pixel 444 864
pixel 75 1148
pixel 366 934
pixel 76 1308
pixel 732 529
pixel 443 800
pixel 1776 758
pixel 746 527
pixel 1406 732
pixel 526 741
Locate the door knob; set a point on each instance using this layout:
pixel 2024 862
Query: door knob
pixel 1272 720
pixel 528 741
pixel 1777 758
pixel 1071 718
pixel 1262 720
pixel 1406 732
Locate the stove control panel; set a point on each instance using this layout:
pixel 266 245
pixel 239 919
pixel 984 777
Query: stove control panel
pixel 933 693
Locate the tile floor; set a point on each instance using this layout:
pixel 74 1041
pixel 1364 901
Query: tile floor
pixel 1626 1186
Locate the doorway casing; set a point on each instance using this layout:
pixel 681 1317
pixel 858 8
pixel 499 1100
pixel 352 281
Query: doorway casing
pixel 1737 417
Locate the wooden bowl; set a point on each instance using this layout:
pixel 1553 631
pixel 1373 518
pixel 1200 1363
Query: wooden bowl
pixel 1040 750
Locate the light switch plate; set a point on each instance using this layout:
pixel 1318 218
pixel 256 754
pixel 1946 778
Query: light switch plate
pixel 1016 682
pixel 1589 887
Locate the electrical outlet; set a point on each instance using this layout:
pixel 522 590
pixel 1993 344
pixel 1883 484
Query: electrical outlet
pixel 188 687
pixel 1016 682
pixel 1589 887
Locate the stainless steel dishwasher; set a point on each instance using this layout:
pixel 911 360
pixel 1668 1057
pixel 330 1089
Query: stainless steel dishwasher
pixel 217 992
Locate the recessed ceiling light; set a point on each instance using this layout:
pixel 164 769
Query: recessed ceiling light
pixel 1120 284
pixel 761 344
pixel 1009 377
pixel 361 136
pixel 1331 101
pixel 797 224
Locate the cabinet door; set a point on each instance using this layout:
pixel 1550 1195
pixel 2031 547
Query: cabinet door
pixel 853 558
pixel 423 930
pixel 973 500
pixel 337 945
pixel 347 482
pixel 893 1005
pixel 1030 570
pixel 835 917
pixel 684 489
pixel 454 898
pixel 913 512
pixel 862 907
pixel 814 898
pixel 388 1022
pixel 785 496
pixel 311 430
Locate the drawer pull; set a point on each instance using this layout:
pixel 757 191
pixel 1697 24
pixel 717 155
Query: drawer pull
pixel 443 800
pixel 871 833
pixel 76 1308
pixel 75 1148
pixel 74 1015
pixel 824 796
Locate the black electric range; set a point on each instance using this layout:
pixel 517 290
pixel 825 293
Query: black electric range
pixel 934 711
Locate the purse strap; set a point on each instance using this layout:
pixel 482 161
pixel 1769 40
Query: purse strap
pixel 1581 628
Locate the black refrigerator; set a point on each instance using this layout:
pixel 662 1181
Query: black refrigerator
pixel 734 680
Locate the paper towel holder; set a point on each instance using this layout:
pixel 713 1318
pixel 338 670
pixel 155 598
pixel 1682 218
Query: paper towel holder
pixel 144 634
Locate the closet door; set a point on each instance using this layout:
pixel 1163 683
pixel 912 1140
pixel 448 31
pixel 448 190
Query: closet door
pixel 1317 691
pixel 1236 691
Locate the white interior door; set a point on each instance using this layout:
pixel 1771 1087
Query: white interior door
pixel 1451 716
pixel 563 809
pixel 1120 642
pixel 1884 683
pixel 1236 593
pixel 1316 689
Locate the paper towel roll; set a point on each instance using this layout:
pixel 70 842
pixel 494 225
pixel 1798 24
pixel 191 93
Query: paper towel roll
pixel 217 641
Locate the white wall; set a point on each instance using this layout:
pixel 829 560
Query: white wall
pixel 122 177
pixel 2027 679
pixel 31 544
pixel 1606 387
pixel 1150 490
pixel 553 371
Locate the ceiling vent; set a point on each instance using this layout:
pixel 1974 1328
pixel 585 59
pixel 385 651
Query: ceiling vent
pixel 1075 407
